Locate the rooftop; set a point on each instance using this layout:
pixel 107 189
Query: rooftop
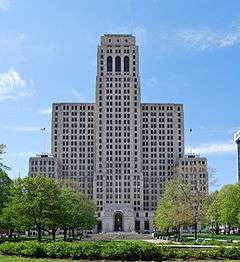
pixel 237 136
pixel 118 35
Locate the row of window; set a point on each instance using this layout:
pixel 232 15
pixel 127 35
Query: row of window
pixel 49 169
pixel 117 64
pixel 193 163
pixel 75 107
pixel 42 162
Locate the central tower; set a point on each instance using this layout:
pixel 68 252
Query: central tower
pixel 118 179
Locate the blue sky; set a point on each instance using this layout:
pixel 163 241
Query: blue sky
pixel 189 53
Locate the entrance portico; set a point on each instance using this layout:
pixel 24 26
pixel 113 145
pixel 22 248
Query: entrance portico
pixel 118 217
pixel 118 221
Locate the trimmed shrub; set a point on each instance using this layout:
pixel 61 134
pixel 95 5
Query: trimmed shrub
pixel 114 250
pixel 232 253
pixel 131 250
pixel 29 249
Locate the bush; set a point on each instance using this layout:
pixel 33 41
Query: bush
pixel 131 250
pixel 29 249
pixel 113 250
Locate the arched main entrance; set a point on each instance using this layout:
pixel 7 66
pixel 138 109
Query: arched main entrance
pixel 118 221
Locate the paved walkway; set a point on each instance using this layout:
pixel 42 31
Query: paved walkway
pixel 179 245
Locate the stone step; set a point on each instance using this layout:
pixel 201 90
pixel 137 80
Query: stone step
pixel 119 236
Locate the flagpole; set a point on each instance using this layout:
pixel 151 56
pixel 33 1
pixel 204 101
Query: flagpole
pixel 43 130
pixel 190 131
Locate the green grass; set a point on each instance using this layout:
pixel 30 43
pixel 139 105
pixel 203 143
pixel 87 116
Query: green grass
pixel 209 235
pixel 22 259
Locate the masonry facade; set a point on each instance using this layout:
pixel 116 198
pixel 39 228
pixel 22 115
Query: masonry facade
pixel 121 151
pixel 193 170
pixel 46 165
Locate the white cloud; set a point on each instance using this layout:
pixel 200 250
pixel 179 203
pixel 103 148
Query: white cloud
pixel 209 39
pixel 46 111
pixel 12 86
pixel 24 128
pixel 4 4
pixel 219 148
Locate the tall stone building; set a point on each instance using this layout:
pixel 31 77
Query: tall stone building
pixel 121 151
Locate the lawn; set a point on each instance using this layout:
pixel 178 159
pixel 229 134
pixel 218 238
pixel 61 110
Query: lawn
pixel 208 235
pixel 22 259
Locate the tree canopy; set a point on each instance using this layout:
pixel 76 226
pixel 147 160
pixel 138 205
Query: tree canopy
pixel 174 207
pixel 39 203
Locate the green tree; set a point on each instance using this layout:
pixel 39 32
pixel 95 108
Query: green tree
pixel 196 198
pixel 2 151
pixel 5 188
pixel 212 211
pixel 78 211
pixel 8 220
pixel 35 202
pixel 229 205
pixel 174 209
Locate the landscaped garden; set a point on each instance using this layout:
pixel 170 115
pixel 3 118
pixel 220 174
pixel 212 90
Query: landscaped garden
pixel 110 250
pixel 45 207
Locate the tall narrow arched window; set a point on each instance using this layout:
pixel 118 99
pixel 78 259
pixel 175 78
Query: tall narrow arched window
pixel 126 64
pixel 118 64
pixel 109 64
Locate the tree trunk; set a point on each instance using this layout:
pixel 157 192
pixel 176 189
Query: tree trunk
pixel 225 230
pixel 65 233
pixel 10 233
pixel 54 234
pixel 73 234
pixel 39 232
pixel 195 229
pixel 178 234
pixel 229 229
pixel 217 229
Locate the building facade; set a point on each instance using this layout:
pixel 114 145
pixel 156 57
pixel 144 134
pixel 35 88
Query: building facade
pixel 120 150
pixel 46 165
pixel 193 170
pixel 237 140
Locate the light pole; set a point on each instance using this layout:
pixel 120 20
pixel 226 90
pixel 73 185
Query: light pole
pixel 43 130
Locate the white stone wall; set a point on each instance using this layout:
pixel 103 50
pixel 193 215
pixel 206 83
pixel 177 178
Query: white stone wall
pixel 73 142
pixel 118 178
pixel 162 146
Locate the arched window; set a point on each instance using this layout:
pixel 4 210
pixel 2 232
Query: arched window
pixel 118 64
pixel 109 64
pixel 126 64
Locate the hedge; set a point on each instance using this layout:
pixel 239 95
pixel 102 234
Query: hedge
pixel 113 250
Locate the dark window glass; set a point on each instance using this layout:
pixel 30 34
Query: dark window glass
pixel 109 64
pixel 126 64
pixel 118 64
